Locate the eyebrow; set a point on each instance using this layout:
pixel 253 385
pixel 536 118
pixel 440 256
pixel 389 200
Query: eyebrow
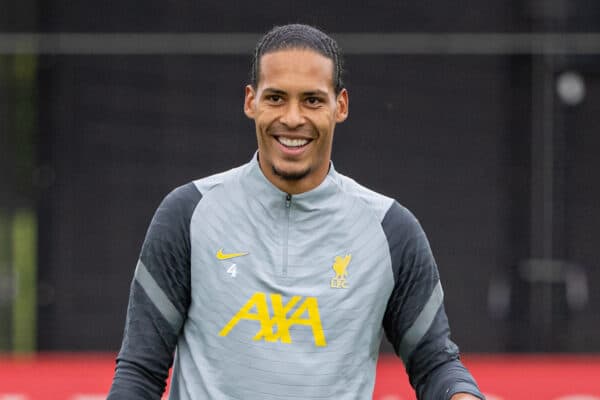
pixel 273 90
pixel 316 93
pixel 309 93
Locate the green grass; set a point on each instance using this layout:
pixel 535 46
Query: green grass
pixel 24 252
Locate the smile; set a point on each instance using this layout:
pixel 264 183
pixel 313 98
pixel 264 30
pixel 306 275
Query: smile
pixel 292 143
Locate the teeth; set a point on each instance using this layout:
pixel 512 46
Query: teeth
pixel 292 142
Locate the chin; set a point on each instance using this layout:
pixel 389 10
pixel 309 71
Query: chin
pixel 291 174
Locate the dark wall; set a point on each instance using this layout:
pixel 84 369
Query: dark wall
pixel 121 132
pixel 582 193
pixel 448 136
pixel 244 16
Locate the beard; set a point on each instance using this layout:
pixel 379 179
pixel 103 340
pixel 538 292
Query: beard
pixel 290 176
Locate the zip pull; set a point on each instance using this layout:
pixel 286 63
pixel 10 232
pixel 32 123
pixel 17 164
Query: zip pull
pixel 288 200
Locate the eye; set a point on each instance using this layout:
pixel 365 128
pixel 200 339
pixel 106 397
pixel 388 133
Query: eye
pixel 313 101
pixel 274 98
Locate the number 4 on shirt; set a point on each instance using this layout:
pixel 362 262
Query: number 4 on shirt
pixel 232 270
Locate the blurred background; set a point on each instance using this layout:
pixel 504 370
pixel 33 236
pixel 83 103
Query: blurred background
pixel 480 117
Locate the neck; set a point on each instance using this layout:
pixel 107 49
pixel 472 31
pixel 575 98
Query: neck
pixel 294 186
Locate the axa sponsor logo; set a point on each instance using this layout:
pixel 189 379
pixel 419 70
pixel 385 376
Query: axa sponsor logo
pixel 275 327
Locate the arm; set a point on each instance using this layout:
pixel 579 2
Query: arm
pixel 464 396
pixel 415 321
pixel 158 301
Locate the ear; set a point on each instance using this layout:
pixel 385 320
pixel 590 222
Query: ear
pixel 341 112
pixel 249 103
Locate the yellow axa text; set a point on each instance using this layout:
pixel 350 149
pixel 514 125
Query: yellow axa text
pixel 276 327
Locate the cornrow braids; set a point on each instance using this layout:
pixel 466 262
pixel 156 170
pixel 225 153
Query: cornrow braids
pixel 299 36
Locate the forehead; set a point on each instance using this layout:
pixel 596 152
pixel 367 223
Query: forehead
pixel 296 67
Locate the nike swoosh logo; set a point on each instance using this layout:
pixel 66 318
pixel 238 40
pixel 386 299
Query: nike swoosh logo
pixel 227 256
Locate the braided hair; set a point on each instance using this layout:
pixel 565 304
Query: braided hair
pixel 298 36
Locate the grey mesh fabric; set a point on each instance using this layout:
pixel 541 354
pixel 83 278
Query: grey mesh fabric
pixel 272 296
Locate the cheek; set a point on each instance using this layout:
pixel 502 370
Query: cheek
pixel 264 121
pixel 325 124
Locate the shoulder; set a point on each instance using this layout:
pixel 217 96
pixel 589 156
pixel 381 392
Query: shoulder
pixel 395 218
pixel 183 199
pixel 375 202
pixel 181 195
pixel 209 183
pixel 386 208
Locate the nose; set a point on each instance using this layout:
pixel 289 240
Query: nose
pixel 292 115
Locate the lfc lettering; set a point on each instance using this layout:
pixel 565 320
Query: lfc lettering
pixel 340 268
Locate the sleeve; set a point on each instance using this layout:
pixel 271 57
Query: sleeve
pixel 158 301
pixel 415 321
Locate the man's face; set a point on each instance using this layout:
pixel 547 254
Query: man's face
pixel 295 109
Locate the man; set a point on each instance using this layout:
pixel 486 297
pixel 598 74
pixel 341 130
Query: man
pixel 275 280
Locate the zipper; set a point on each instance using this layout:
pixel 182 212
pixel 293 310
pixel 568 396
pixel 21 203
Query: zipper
pixel 288 206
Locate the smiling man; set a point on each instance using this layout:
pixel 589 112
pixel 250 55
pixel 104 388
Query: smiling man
pixel 295 107
pixel 277 279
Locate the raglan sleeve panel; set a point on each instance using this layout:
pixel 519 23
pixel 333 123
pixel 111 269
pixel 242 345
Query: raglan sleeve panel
pixel 415 321
pixel 158 301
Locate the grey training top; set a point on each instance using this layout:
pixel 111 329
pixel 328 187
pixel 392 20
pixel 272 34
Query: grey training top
pixel 261 295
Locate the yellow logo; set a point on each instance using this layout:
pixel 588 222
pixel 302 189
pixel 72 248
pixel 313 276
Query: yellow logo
pixel 227 256
pixel 258 301
pixel 339 266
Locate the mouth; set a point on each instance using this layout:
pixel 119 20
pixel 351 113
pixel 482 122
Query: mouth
pixel 292 143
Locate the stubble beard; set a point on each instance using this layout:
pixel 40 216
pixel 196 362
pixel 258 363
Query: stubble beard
pixel 290 176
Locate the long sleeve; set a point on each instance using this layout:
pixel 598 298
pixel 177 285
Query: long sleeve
pixel 415 321
pixel 158 301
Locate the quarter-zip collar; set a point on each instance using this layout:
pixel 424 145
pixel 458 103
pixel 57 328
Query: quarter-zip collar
pixel 255 183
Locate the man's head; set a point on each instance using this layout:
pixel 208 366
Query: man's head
pixel 295 99
pixel 298 36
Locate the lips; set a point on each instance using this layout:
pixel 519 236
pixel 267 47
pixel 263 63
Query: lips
pixel 292 143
